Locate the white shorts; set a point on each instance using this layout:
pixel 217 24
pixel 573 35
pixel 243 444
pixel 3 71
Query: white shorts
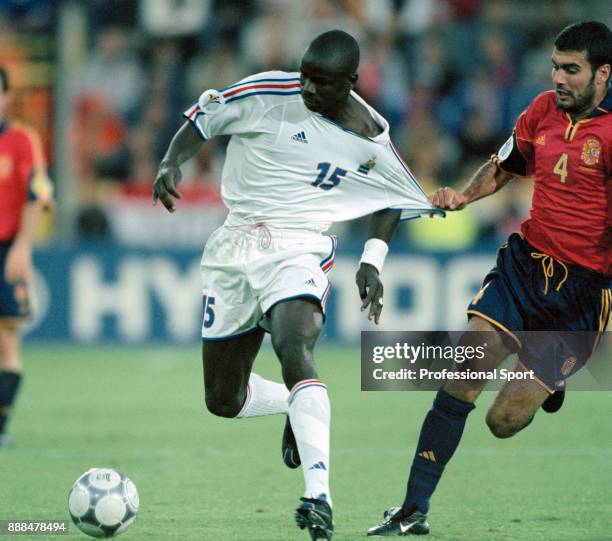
pixel 248 269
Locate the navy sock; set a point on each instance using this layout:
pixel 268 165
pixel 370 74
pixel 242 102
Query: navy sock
pixel 9 383
pixel 440 436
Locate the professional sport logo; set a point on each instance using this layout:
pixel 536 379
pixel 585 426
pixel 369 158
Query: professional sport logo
pixel 591 151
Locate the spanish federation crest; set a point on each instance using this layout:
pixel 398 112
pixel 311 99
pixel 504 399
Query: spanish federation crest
pixel 366 167
pixel 591 151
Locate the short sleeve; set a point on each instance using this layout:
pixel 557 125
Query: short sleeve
pixel 516 155
pixel 34 169
pixel 524 133
pixel 241 108
pixel 214 115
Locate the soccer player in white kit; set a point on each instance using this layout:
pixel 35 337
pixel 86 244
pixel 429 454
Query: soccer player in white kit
pixel 305 151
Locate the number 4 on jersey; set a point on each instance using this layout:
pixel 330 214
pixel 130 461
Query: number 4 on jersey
pixel 326 182
pixel 561 168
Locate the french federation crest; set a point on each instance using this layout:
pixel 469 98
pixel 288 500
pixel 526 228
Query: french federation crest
pixel 591 151
pixel 366 167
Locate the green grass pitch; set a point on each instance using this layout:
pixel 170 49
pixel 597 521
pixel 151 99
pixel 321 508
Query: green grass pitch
pixel 141 410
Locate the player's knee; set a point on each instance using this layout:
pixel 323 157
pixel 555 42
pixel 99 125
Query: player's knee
pixel 222 405
pixel 502 424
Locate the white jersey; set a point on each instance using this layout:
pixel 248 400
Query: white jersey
pixel 289 167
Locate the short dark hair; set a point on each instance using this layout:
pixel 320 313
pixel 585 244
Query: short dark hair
pixel 5 79
pixel 591 36
pixel 337 48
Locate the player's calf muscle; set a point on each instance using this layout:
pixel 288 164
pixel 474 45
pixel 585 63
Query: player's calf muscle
pixel 297 360
pixel 295 328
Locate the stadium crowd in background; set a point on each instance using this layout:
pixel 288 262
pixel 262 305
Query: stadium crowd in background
pixel 450 75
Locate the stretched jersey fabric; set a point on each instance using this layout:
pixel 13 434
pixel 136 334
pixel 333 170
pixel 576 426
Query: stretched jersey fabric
pixel 571 162
pixel 289 167
pixel 23 175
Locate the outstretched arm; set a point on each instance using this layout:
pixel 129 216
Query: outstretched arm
pixel 184 145
pixel 486 181
pixel 382 227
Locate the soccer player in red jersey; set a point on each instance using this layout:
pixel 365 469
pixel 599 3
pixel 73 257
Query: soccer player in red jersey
pixel 25 190
pixel 554 276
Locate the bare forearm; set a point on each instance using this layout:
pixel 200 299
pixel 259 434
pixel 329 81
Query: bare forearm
pixel 382 227
pixel 486 181
pixel 184 145
pixel 29 222
pixel 383 224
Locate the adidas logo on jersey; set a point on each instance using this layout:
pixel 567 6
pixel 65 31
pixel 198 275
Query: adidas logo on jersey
pixel 300 137
pixel 310 282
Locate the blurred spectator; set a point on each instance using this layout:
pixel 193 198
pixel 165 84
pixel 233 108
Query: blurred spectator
pixel 172 18
pixel 215 69
pixel 29 15
pixel 106 91
pixel 267 43
pixel 383 78
pixel 111 73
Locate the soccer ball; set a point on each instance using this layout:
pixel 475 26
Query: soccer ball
pixel 103 502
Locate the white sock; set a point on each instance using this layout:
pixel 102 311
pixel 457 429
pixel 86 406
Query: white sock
pixel 309 413
pixel 264 397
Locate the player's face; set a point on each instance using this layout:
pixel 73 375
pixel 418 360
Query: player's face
pixel 322 90
pixel 574 81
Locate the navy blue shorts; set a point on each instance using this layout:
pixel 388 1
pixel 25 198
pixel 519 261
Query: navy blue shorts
pixel 530 291
pixel 14 298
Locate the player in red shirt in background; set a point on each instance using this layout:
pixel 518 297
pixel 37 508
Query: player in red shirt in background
pixel 554 276
pixel 25 190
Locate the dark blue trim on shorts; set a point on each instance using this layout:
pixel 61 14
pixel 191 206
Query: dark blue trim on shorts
pixel 237 335
pixel 303 296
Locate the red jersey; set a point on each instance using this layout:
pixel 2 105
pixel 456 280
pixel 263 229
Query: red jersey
pixel 571 162
pixel 23 175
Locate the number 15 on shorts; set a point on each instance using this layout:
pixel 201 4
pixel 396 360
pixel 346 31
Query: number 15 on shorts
pixel 209 311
